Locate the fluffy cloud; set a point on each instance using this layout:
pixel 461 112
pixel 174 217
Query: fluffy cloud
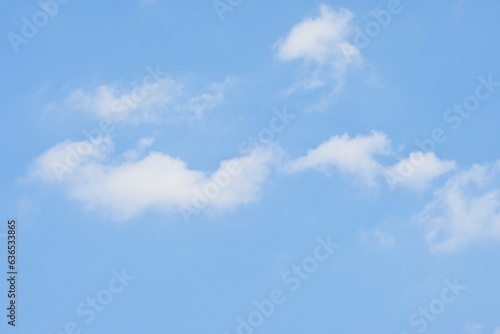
pixel 125 189
pixel 323 44
pixel 349 155
pixel 357 156
pixel 418 170
pixel 466 210
pixel 157 97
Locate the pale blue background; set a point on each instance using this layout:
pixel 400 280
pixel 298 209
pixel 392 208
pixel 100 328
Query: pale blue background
pixel 199 278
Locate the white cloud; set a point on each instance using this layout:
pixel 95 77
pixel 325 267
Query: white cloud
pixel 418 170
pixel 497 331
pixel 157 97
pixel 124 190
pixel 466 210
pixel 349 155
pixel 323 44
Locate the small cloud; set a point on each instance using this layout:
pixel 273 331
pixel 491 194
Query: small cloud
pixel 465 211
pixel 383 238
pixel 323 45
pixel 418 170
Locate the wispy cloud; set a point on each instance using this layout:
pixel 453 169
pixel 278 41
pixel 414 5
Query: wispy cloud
pixel 323 45
pixel 465 211
pixel 158 97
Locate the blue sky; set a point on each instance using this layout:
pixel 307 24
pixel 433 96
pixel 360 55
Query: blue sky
pixel 247 167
